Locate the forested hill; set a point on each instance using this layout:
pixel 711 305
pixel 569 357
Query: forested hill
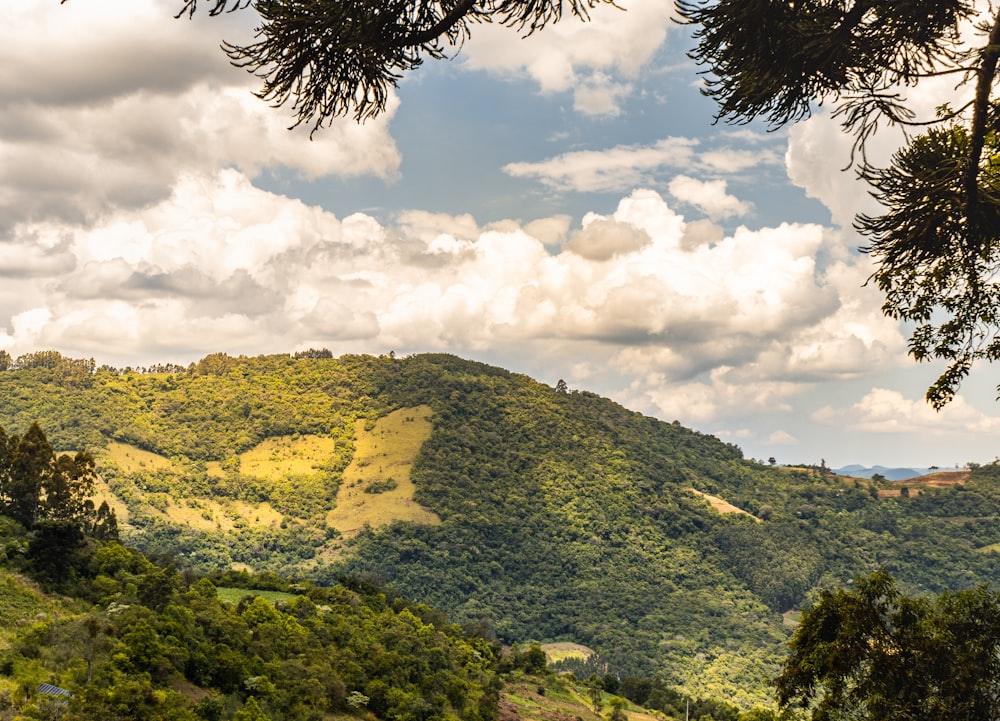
pixel 549 514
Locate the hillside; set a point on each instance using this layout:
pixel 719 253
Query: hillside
pixel 546 515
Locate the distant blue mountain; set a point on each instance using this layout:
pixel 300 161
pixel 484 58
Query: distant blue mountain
pixel 893 474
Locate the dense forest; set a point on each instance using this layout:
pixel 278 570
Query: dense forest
pixel 94 629
pixel 548 514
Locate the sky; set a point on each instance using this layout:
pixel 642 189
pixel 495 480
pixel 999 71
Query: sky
pixel 562 205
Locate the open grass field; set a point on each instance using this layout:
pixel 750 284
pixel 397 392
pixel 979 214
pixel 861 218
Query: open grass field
pixel 281 457
pixel 555 699
pixel 941 479
pixel 555 652
pixel 233 595
pixel 383 459
pixel 274 459
pixel 721 505
pixel 133 460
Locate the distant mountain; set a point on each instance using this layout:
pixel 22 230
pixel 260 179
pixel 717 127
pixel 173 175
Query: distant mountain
pixel 540 513
pixel 891 474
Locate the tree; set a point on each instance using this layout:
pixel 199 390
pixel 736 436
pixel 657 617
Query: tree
pixel 36 484
pixel 936 243
pixel 874 653
pixel 595 692
pixel 618 705
pixel 332 58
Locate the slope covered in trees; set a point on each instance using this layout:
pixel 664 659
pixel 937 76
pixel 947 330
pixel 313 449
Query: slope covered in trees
pixel 562 516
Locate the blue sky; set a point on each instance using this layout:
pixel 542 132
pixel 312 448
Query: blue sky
pixel 562 206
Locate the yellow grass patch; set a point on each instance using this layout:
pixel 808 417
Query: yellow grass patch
pixel 132 460
pixel 277 458
pixel 256 514
pixel 382 454
pixel 206 514
pixel 721 505
pixel 555 652
pixel 103 493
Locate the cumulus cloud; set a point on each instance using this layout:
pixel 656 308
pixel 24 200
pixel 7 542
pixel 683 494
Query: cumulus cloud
pixel 624 167
pixel 782 438
pixel 819 151
pixel 602 239
pixel 220 252
pixel 95 116
pixel 882 410
pixel 708 196
pixel 617 168
pixel 595 60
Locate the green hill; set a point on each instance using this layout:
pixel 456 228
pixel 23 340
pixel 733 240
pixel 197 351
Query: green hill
pixel 550 516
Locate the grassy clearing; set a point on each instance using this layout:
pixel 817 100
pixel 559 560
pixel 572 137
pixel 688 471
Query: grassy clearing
pixel 723 506
pixel 792 618
pixel 133 460
pixel 102 493
pixel 384 453
pixel 205 514
pixel 233 595
pixel 556 652
pixel 277 458
pixel 553 698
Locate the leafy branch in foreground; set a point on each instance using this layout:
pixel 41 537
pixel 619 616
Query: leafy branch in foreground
pixel 936 245
pixel 874 653
pixel 332 58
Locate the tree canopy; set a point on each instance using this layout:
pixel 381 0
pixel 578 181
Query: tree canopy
pixel 875 653
pixel 936 243
pixel 331 58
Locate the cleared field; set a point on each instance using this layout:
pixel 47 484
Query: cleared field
pixel 942 479
pixel 722 506
pixel 233 595
pixel 133 460
pixel 377 489
pixel 555 652
pixel 281 457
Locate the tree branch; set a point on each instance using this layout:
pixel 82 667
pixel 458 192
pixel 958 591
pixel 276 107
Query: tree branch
pixel 980 112
pixel 447 22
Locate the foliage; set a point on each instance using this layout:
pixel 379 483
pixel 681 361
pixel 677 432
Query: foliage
pixel 874 653
pixel 562 516
pixel 146 642
pixel 331 58
pixel 936 243
pixel 37 485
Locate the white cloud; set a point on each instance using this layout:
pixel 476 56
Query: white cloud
pixel 708 196
pixel 618 168
pixel 624 167
pixel 717 397
pixel 221 252
pixel 602 239
pixel 882 410
pixel 595 60
pixel 95 116
pixel 782 438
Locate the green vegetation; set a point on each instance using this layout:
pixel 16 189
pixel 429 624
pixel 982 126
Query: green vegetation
pixel 125 638
pixel 519 510
pixel 874 653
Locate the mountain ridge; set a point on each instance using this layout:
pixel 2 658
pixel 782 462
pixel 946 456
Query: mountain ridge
pixel 563 516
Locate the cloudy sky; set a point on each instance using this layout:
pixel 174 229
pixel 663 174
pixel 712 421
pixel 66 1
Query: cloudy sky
pixel 562 206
